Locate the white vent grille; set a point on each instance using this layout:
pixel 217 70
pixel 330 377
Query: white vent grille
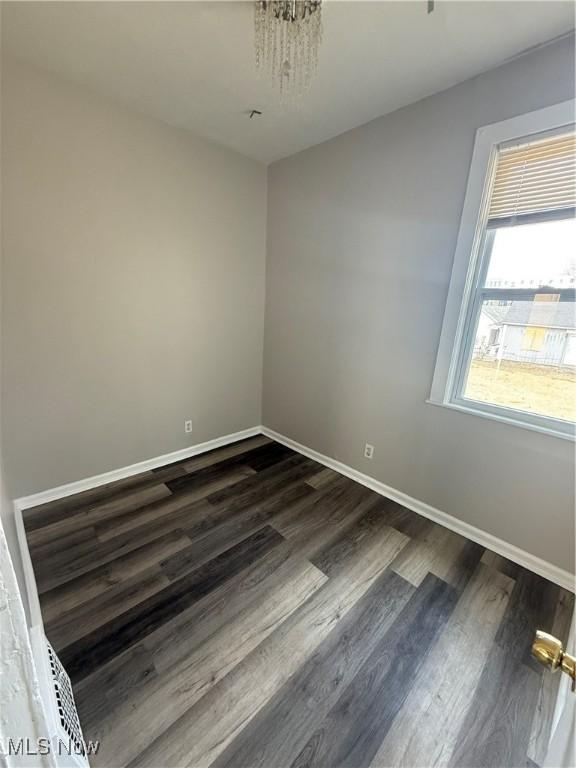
pixel 56 690
pixel 65 701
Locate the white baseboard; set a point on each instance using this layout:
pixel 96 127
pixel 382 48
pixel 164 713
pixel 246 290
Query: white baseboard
pixel 509 551
pixel 53 494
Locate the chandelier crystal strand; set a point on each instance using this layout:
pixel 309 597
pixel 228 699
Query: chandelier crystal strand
pixel 287 35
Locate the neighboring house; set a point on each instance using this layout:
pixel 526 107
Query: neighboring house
pixel 540 332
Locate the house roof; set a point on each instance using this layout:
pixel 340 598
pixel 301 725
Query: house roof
pixel 546 314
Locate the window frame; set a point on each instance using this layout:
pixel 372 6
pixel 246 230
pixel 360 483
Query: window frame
pixel 471 261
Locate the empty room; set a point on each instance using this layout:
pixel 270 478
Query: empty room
pixel 287 384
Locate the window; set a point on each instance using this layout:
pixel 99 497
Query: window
pixel 513 354
pixel 533 338
pixel 494 336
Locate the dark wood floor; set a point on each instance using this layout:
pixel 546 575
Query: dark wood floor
pixel 249 607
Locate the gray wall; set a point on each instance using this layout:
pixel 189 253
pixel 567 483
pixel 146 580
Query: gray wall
pixel 361 237
pixel 133 290
pixel 133 285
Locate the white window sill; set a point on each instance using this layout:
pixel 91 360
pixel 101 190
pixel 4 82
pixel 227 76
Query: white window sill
pixel 505 419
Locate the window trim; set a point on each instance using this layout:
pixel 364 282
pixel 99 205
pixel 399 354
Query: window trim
pixel 470 258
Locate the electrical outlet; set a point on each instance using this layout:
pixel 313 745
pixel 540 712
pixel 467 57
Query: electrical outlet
pixel 188 426
pixel 368 451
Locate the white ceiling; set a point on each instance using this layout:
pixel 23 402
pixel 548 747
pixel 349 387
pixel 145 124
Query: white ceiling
pixel 191 64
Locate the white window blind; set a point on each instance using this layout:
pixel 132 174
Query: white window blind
pixel 534 178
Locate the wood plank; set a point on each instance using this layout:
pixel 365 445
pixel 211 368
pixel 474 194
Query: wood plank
pixel 182 635
pixel 496 730
pixel 65 598
pixel 435 552
pixel 326 520
pixel 200 518
pixel 276 500
pixel 282 727
pixel 332 506
pixel 121 504
pixel 501 564
pixel 353 730
pixel 248 643
pixel 226 452
pixel 255 489
pixel 54 511
pixel 205 459
pixel 205 730
pixel 179 501
pixel 97 696
pixel 95 613
pixel 330 557
pixel 270 455
pixel 153 521
pixel 64 543
pixel 322 478
pixel 83 518
pixel 177 638
pixel 193 624
pixel 262 457
pixel 83 656
pixel 69 565
pixel 425 729
pixel 162 702
pixel 532 606
pixel 459 565
pixel 408 522
pixel 223 533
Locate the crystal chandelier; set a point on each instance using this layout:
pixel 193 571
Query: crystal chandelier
pixel 287 38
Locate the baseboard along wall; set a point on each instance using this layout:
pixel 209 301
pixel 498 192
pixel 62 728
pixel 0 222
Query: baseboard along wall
pixel 69 489
pixel 510 551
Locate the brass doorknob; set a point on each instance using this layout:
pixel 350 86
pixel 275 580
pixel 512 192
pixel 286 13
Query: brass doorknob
pixel 549 651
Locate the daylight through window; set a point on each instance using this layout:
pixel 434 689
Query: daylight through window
pixel 519 350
